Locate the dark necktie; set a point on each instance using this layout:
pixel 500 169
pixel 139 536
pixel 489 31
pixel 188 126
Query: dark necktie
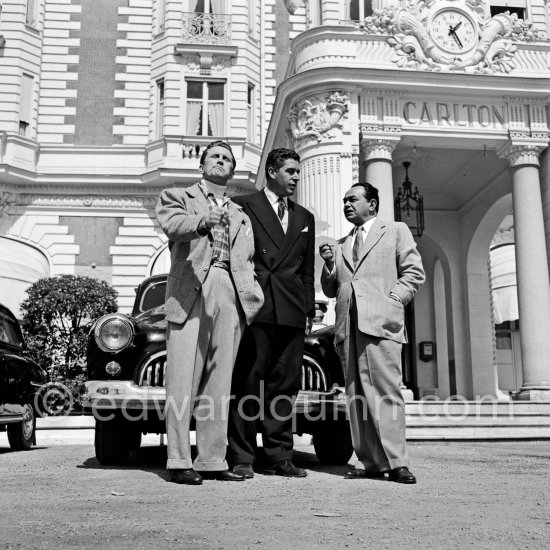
pixel 357 244
pixel 281 208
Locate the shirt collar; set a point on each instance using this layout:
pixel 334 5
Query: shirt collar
pixel 273 198
pixel 209 188
pixel 366 226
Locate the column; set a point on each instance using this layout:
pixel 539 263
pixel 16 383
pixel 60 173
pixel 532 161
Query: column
pixel 377 159
pixel 545 190
pixel 533 282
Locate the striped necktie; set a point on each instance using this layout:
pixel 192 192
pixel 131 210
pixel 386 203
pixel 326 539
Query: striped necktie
pixel 281 208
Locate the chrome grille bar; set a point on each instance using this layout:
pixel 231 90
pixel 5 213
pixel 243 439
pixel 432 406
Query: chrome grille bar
pixel 153 374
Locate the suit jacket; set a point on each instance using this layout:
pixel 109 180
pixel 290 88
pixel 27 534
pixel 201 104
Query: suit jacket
pixel 388 262
pixel 179 211
pixel 285 263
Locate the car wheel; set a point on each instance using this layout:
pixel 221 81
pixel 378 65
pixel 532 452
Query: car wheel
pixel 21 435
pixel 332 443
pixel 112 444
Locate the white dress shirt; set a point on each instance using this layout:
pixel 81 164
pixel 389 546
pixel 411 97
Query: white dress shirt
pixel 274 201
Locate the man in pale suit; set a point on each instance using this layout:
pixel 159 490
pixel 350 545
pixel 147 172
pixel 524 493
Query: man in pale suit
pixel 373 272
pixel 211 294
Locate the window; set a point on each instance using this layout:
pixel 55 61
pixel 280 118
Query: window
pixel 513 6
pixel 251 17
pixel 250 118
pixel 315 13
pixel 25 107
pixel 205 108
pixel 8 331
pixel 161 15
pixel 31 15
pixel 159 129
pixel 359 9
pixel 208 6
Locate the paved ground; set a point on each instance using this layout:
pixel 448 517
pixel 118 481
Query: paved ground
pixel 469 495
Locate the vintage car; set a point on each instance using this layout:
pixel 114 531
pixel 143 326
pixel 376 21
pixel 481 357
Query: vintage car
pixel 126 362
pixel 20 380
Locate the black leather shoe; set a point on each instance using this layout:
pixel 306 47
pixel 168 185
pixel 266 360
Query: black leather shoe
pixel 402 475
pixel 244 470
pixel 185 476
pixel 363 474
pixel 223 475
pixel 285 468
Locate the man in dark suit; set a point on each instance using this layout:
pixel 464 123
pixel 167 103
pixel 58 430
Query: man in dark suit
pixel 373 273
pixel 267 372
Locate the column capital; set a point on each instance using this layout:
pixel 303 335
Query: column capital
pixel 378 148
pixel 518 154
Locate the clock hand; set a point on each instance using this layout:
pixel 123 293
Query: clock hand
pixel 452 30
pixel 455 36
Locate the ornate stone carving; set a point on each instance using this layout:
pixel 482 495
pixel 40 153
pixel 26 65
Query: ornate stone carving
pixel 519 154
pixel 355 163
pixel 378 148
pixel 318 118
pixel 6 203
pixel 206 28
pixel 86 201
pixel 415 49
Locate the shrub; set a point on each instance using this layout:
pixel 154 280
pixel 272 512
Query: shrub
pixel 56 319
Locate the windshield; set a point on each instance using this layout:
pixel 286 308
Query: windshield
pixel 153 297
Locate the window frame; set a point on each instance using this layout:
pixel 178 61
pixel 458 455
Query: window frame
pixel 205 102
pixel 160 107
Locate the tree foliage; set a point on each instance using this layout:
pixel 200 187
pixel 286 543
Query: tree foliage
pixel 56 319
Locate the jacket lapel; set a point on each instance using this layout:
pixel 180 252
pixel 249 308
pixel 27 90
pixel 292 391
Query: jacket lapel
pixel 346 250
pixel 293 231
pixel 267 218
pixel 377 229
pixel 237 220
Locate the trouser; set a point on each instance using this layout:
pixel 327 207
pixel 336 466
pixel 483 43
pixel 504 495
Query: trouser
pixel 374 400
pixel 200 356
pixel 266 381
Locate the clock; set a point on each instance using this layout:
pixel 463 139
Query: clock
pixel 453 31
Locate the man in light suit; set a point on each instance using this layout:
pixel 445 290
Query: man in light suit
pixel 269 365
pixel 373 272
pixel 211 293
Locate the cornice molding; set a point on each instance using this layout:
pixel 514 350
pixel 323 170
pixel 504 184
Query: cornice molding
pixel 86 201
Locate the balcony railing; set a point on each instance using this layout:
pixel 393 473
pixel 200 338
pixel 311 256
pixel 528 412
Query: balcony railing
pixel 206 28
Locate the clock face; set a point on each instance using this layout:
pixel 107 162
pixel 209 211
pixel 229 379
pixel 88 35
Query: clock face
pixel 453 31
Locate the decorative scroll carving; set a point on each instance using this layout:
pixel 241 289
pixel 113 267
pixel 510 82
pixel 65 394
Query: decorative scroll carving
pixel 318 118
pixel 519 154
pixel 87 201
pixel 415 49
pixel 6 203
pixel 206 28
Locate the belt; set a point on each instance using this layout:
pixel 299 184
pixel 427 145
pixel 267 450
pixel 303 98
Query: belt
pixel 220 264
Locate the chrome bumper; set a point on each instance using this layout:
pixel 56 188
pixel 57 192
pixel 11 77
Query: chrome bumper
pixel 114 395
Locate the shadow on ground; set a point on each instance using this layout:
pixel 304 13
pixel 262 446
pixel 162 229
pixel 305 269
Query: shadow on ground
pixel 153 459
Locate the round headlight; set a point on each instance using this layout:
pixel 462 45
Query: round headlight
pixel 113 333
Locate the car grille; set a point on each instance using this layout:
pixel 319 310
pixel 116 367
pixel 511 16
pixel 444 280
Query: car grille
pixel 153 374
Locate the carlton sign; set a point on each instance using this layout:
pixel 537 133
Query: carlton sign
pixel 455 115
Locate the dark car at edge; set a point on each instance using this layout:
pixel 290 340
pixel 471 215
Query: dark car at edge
pixel 20 380
pixel 126 363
